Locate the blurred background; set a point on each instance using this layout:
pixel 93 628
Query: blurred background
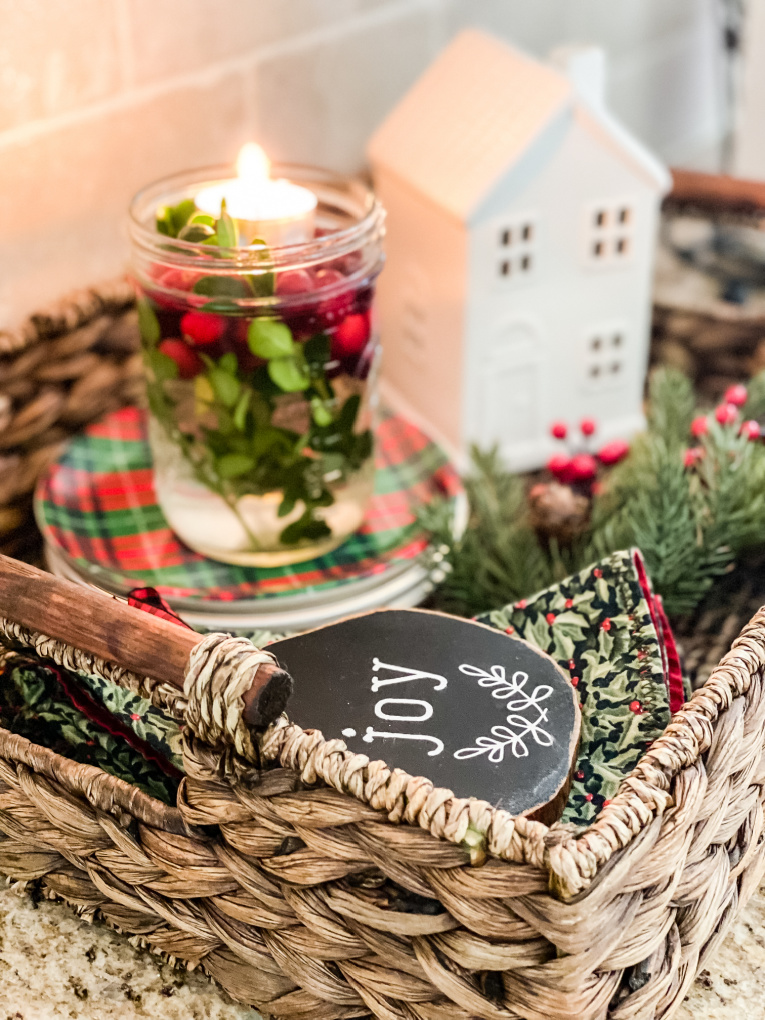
pixel 99 97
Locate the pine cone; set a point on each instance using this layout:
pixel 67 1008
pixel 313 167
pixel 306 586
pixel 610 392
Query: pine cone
pixel 556 511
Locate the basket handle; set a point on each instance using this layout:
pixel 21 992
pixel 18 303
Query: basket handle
pixel 96 623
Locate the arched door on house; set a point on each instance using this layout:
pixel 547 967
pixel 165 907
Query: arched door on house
pixel 510 398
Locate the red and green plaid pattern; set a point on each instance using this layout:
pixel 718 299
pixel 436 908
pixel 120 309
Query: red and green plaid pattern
pixel 97 506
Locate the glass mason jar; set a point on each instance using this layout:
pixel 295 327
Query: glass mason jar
pixel 261 367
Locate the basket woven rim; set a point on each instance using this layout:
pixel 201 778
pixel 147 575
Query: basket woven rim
pixel 573 858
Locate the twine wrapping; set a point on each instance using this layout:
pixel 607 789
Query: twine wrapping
pixel 221 670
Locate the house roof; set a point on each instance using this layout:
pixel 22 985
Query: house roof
pixel 471 117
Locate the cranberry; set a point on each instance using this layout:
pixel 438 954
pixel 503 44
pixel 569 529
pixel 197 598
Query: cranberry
pixel 332 310
pixel 294 281
pixel 364 297
pixel 351 336
pixel 328 277
pixel 188 361
pixel 202 328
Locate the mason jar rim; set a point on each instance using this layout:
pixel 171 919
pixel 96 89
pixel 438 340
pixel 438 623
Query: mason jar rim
pixel 337 189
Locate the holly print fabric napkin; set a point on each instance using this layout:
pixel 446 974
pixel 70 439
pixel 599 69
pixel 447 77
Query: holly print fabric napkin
pixel 607 629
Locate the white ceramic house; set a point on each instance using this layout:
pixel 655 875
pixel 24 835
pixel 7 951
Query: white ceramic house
pixel 521 231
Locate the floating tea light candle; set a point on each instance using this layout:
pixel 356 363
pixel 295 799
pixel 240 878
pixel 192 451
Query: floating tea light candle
pixel 275 211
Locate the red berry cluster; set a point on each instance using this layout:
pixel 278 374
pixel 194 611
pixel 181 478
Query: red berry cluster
pixel 727 414
pixel 581 466
pixel 309 302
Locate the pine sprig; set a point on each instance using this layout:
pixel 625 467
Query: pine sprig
pixel 691 520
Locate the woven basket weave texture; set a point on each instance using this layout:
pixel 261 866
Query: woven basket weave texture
pixel 62 369
pixel 328 886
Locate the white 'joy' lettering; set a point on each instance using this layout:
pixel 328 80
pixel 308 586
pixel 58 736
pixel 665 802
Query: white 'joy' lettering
pixel 382 714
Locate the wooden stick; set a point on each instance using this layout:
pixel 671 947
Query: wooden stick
pixel 141 642
pixel 717 192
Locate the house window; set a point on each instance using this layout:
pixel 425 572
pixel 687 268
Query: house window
pixel 608 233
pixel 604 356
pixel 515 253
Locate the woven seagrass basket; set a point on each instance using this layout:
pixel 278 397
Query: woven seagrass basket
pixel 311 882
pixel 63 368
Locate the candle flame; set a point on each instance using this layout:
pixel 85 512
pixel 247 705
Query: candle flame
pixel 252 165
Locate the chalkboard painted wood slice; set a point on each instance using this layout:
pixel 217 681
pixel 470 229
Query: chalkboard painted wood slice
pixel 474 710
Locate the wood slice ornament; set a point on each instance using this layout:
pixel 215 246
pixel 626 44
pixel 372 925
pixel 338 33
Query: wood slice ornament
pixel 474 710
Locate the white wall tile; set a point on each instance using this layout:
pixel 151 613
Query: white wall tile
pixel 320 102
pixel 64 195
pixel 172 36
pixel 54 56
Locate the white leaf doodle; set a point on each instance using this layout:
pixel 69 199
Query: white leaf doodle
pixel 519 726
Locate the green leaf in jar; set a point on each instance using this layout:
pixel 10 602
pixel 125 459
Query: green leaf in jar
pixel 164 222
pixel 229 363
pixel 225 228
pixel 240 411
pixel 350 409
pixel 225 386
pixel 199 233
pixel 289 374
pixel 286 506
pixel 182 213
pixel 266 439
pixel 317 349
pixel 222 286
pixel 162 365
pixel 148 323
pixel 269 338
pixel 234 465
pixel 321 414
pixel 307 527
pixel 171 219
pixel 263 283
pixel 204 218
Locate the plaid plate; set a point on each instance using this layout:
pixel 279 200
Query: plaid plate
pixel 97 506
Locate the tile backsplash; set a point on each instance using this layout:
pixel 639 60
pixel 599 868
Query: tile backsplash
pixel 99 97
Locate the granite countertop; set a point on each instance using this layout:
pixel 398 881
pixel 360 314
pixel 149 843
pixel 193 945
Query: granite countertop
pixel 54 966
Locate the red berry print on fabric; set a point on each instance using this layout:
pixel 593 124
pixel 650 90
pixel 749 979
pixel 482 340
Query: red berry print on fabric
pixel 636 707
pixel 606 624
pixel 569 603
pixel 550 618
pixel 597 572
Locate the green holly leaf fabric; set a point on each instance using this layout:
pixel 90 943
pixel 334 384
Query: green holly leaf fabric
pixel 598 627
